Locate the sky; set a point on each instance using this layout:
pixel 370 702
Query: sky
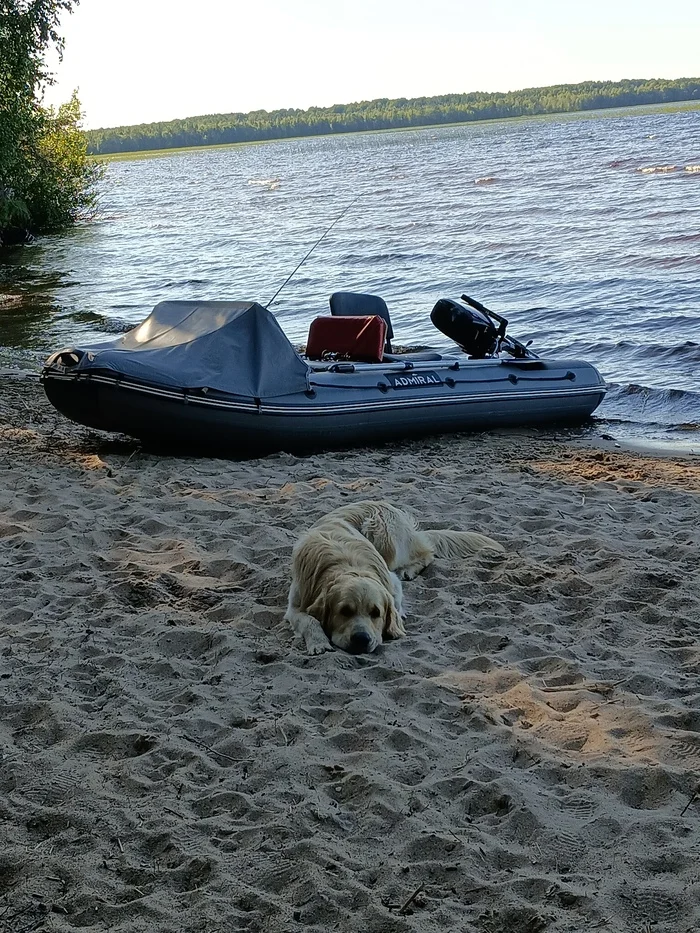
pixel 143 61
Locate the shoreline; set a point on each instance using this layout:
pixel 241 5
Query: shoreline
pixel 640 110
pixel 526 758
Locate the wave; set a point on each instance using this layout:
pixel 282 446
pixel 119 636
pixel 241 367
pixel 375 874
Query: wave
pixel 646 404
pixel 681 238
pixel 686 352
pixel 270 184
pixel 670 262
pixel 667 169
pixel 184 283
pixel 658 169
pixel 352 259
pixel 623 163
pixel 108 325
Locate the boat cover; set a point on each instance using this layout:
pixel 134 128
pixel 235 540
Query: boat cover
pixel 235 347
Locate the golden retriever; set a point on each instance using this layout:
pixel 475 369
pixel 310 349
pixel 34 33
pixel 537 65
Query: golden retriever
pixel 346 590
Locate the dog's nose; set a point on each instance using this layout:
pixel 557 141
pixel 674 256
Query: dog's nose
pixel 360 642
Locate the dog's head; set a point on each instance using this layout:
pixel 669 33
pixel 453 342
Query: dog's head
pixel 356 613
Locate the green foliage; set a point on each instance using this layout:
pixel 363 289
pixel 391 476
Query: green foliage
pixel 388 114
pixel 62 188
pixel 46 178
pixel 14 213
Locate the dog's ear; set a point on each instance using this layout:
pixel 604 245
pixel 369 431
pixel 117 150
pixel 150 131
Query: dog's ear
pixel 393 626
pixel 319 608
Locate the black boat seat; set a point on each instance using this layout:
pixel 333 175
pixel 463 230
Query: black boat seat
pixel 352 304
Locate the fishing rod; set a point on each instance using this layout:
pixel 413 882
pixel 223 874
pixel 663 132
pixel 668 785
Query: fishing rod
pixel 322 237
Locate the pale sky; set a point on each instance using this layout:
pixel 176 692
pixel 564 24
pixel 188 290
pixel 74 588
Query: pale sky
pixel 141 61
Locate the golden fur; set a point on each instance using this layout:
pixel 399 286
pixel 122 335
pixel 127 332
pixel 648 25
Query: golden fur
pixel 345 587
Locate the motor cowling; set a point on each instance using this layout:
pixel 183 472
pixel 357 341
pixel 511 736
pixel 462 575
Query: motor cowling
pixel 471 330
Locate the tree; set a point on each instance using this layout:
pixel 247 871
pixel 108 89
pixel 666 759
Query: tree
pixel 47 181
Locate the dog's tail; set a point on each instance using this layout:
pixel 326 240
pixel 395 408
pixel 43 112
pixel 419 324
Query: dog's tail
pixel 461 543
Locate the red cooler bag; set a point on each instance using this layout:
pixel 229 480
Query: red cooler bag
pixel 351 338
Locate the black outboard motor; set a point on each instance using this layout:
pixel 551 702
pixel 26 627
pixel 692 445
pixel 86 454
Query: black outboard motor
pixel 473 329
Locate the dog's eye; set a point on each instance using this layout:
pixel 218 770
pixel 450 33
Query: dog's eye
pixel 346 611
pixel 375 612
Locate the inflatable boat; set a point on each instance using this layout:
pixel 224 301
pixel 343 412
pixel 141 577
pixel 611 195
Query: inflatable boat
pixel 222 376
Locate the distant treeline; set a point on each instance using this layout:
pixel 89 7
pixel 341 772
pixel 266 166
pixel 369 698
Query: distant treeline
pixel 385 114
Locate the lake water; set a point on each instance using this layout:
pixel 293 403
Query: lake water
pixel 583 230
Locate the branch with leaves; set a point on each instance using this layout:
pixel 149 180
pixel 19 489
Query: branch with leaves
pixel 47 181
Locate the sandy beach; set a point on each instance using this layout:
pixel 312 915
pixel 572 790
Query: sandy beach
pixel 527 759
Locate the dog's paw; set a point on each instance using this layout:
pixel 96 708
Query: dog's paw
pixel 394 628
pixel 410 573
pixel 319 647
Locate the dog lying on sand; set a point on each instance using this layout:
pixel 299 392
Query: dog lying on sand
pixel 347 570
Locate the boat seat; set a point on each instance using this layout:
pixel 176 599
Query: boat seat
pixel 356 304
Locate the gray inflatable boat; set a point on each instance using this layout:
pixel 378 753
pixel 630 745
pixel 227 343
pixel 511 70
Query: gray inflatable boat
pixel 220 376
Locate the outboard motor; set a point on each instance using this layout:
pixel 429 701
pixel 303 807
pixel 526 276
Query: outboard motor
pixel 473 329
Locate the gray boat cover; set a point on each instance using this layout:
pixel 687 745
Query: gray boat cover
pixel 231 346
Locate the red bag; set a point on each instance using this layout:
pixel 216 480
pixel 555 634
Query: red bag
pixel 351 338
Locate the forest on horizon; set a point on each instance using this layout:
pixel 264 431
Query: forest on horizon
pixel 384 114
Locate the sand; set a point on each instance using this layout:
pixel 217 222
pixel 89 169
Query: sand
pixel 527 759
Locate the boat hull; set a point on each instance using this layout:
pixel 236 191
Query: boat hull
pixel 358 406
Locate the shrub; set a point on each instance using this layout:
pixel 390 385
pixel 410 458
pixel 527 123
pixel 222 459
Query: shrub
pixel 47 180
